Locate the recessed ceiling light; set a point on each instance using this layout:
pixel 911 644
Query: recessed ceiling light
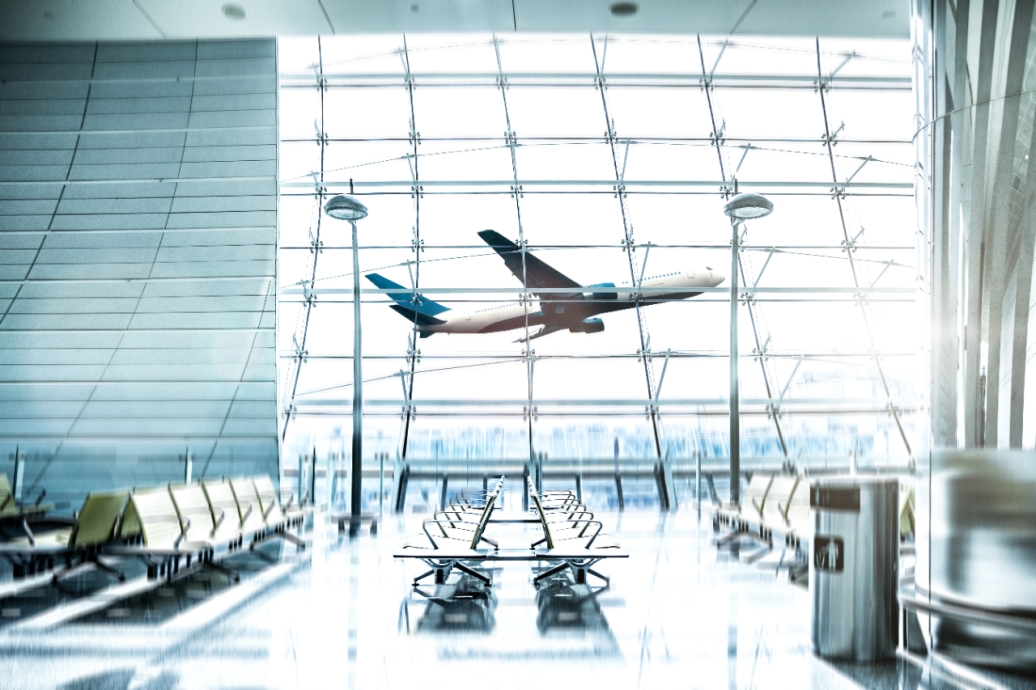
pixel 232 11
pixel 624 9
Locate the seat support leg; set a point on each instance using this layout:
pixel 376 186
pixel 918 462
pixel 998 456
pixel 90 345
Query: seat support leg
pixel 422 576
pixel 216 565
pixel 549 573
pixel 294 539
pixel 108 569
pixel 465 569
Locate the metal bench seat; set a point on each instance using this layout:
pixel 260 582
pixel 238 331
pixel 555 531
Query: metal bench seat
pixel 78 545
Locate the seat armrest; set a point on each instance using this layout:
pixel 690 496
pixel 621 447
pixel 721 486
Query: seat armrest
pixel 291 499
pixel 248 513
pixel 28 532
pixel 39 498
pixel 183 533
pixel 600 526
pixel 215 527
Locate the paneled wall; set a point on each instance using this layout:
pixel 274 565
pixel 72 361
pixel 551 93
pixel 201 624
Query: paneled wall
pixel 980 188
pixel 138 224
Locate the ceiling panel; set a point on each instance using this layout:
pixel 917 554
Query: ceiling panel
pixel 158 19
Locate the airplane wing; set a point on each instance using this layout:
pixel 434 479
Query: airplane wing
pixel 546 330
pixel 538 275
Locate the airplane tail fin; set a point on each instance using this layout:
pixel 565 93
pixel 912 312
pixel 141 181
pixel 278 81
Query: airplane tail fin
pixel 415 308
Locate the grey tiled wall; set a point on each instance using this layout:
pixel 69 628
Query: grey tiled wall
pixel 138 222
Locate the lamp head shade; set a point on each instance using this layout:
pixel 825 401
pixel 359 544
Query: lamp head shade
pixel 345 207
pixel 745 206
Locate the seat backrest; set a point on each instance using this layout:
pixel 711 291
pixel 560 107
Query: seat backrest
pixel 781 490
pixel 483 520
pixel 221 499
pixel 543 519
pixel 7 506
pixel 267 494
pixel 244 492
pixel 906 510
pixel 798 507
pixel 153 509
pixel 193 508
pixel 98 518
pixel 755 492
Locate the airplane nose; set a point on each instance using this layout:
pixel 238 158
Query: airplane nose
pixel 716 278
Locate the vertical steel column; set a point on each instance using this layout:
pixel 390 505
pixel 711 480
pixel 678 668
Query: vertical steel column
pixel 381 483
pixel 357 464
pixel 735 417
pixel 628 242
pixel 516 192
pixel 822 86
pixel 412 349
pixel 316 248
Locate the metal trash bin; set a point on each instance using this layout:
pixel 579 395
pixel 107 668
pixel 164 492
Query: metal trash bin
pixel 854 566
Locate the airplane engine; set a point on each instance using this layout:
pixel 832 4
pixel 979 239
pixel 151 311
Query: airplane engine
pixel 588 326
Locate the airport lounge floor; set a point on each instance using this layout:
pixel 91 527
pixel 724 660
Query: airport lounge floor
pixel 342 614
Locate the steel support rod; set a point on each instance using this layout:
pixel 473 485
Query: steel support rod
pixel 735 420
pixel 357 464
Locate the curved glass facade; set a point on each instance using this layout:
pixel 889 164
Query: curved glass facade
pixel 609 159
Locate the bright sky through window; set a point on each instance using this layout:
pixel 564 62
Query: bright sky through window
pixel 445 136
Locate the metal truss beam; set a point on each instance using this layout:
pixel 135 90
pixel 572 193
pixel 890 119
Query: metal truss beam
pixel 570 79
pixel 506 185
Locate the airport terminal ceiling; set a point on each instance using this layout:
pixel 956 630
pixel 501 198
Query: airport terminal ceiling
pixel 609 160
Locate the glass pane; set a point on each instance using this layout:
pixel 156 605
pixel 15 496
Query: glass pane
pixel 367 112
pixel 548 54
pixel 556 112
pixel 460 112
pixel 675 111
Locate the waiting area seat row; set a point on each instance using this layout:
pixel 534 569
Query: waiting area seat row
pixel 11 509
pixel 455 537
pixel 776 504
pixel 165 526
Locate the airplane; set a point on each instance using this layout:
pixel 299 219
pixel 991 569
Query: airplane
pixel 576 312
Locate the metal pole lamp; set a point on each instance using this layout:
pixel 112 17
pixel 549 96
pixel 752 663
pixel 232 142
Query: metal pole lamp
pixel 344 207
pixel 740 208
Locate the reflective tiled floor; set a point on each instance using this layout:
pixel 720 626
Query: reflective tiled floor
pixel 678 614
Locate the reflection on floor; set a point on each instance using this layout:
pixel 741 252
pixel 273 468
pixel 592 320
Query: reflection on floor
pixel 677 614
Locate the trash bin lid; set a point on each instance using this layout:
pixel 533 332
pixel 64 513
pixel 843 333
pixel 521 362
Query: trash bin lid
pixel 843 493
pixel 834 498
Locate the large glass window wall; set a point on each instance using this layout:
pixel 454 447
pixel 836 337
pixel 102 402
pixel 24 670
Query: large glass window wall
pixel 610 159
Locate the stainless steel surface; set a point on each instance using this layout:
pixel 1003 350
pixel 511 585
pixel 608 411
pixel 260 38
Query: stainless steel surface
pixel 983 552
pixel 853 569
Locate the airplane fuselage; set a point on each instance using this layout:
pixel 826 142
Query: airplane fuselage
pixel 570 310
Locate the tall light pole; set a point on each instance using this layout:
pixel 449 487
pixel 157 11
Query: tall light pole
pixel 738 209
pixel 344 207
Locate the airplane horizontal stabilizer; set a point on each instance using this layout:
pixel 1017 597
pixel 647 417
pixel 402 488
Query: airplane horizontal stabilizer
pixel 412 315
pixel 414 307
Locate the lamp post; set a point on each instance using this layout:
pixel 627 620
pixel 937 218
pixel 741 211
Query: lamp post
pixel 344 207
pixel 738 209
